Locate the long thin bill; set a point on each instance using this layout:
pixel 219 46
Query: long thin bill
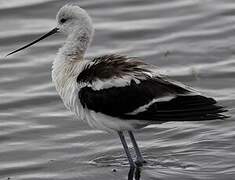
pixel 53 31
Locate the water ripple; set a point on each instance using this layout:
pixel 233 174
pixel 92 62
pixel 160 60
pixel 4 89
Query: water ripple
pixel 191 41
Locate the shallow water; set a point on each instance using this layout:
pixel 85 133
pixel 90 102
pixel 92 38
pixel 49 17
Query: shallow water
pixel 192 41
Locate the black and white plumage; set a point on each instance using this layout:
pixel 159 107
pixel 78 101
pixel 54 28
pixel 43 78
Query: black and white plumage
pixel 146 96
pixel 118 93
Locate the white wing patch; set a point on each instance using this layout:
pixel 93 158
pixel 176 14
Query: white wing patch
pixel 113 82
pixel 118 81
pixel 144 107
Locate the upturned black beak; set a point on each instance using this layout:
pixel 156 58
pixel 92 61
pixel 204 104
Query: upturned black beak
pixel 53 31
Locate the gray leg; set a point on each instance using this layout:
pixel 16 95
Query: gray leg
pixel 128 154
pixel 140 159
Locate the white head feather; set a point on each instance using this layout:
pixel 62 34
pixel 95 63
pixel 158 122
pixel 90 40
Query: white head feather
pixel 75 22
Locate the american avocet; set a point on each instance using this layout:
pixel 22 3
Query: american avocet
pixel 115 92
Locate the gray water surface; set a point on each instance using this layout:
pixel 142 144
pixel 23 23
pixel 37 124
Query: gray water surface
pixel 192 41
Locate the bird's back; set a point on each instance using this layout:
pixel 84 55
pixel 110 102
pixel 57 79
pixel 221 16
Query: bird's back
pixel 129 89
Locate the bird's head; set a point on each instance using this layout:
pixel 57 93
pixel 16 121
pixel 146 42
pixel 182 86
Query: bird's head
pixel 71 19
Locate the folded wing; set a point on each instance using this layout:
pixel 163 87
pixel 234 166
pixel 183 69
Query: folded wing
pixel 151 99
pixel 128 89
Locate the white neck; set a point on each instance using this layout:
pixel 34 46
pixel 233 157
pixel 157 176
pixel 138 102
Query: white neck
pixel 68 62
pixel 76 44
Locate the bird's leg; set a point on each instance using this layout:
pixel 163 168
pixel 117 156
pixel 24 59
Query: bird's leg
pixel 140 160
pixel 128 154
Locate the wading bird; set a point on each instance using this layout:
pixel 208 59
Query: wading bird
pixel 118 93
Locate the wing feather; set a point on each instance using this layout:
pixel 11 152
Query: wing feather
pixel 150 92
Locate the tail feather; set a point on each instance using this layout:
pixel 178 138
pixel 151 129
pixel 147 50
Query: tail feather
pixel 184 108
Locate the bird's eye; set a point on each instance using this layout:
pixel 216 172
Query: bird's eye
pixel 63 20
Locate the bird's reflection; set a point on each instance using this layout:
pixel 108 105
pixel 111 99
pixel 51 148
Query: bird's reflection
pixel 134 173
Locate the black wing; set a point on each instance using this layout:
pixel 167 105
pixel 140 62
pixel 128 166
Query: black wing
pixel 121 101
pixel 113 65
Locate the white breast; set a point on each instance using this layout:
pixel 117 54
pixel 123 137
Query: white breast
pixel 64 75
